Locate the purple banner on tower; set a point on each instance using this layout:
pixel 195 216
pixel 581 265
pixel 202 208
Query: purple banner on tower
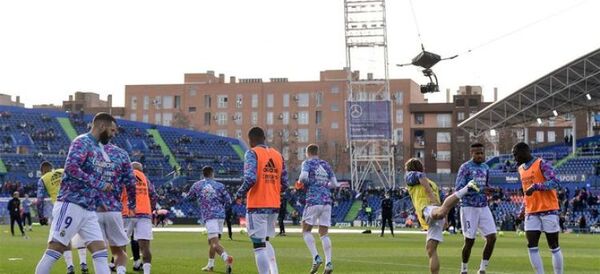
pixel 368 120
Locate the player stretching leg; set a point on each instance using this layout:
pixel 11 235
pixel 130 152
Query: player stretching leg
pixel 424 195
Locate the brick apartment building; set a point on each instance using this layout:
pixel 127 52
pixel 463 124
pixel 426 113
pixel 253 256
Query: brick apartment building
pixel 293 114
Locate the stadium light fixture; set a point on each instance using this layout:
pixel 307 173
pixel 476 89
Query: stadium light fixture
pixel 555 113
pixel 588 96
pixel 539 121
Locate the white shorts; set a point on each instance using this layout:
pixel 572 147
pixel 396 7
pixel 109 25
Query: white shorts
pixel 436 227
pixel 475 219
pixel 546 223
pixel 112 227
pixel 317 215
pixel 140 228
pixel 214 227
pixel 69 219
pixel 77 242
pixel 261 226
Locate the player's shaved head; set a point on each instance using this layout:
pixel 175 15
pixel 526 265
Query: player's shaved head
pixel 208 172
pixel 137 166
pixel 522 153
pixel 256 136
pixel 312 150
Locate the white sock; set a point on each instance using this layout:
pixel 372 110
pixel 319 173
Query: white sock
pixel 464 267
pixel 68 255
pixel 147 267
pixel 211 262
pixel 137 263
pixel 82 255
pixel 45 264
pixel 484 264
pixel 557 260
pixel 536 260
pixel 272 260
pixel 224 256
pixel 326 242
pixel 121 269
pixel 461 192
pixel 310 243
pixel 262 260
pixel 100 259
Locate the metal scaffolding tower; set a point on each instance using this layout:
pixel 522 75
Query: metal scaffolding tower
pixel 368 108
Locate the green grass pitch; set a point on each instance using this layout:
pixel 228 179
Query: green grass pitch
pixel 352 253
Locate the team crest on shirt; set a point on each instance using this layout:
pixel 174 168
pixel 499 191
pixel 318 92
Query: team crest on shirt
pixel 62 233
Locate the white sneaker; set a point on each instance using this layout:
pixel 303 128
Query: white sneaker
pixel 208 269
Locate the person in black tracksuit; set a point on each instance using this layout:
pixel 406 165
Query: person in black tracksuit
pixel 282 214
pixel 387 212
pixel 14 207
pixel 228 220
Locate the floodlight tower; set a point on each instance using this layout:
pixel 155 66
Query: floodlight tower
pixel 368 107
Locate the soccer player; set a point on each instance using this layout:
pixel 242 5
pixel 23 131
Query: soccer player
pixel 475 213
pixel 316 178
pixel 109 206
pixel 265 177
pixel 48 186
pixel 212 198
pixel 14 208
pixel 74 211
pixel 27 211
pixel 139 223
pixel 424 194
pixel 540 205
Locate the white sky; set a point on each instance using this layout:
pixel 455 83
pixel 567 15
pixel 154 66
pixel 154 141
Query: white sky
pixel 50 49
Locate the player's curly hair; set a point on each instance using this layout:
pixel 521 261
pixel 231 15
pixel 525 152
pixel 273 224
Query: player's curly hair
pixel 413 164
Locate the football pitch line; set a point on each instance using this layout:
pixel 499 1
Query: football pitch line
pixel 409 265
pixel 287 230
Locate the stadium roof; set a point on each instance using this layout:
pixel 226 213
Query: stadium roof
pixel 573 87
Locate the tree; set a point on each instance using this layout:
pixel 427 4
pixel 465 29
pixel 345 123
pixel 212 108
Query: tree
pixel 181 120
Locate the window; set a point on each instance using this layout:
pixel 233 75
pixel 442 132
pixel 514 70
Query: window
pixel 192 91
pixel 222 101
pixel 286 134
pixel 157 102
pixel 145 118
pixel 335 107
pixel 270 99
pixel 133 117
pixel 269 118
pixel 238 133
pixel 237 117
pixel 207 118
pixel 269 135
pixel 302 99
pixel 177 102
pixel 335 125
pixel 318 135
pixel 254 118
pixel 473 102
pixel 303 135
pixel 419 153
pixel 191 109
pixel 286 100
pixel 443 155
pixel 167 118
pixel 146 102
pixel 318 117
pixel 539 136
pixel 319 98
pixel 158 118
pixel 461 116
pixel 207 101
pixel 335 89
pixel 443 137
pixel 399 116
pixel 285 152
pixel 568 132
pixel 460 138
pixel 134 103
pixel 222 132
pixel 254 100
pixel 444 120
pixel 300 152
pixel 551 136
pixel 443 170
pixel 285 118
pixel 221 118
pixel 303 118
pixel 239 99
pixel 419 118
pixel 399 97
pixel 460 103
pixel 399 135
